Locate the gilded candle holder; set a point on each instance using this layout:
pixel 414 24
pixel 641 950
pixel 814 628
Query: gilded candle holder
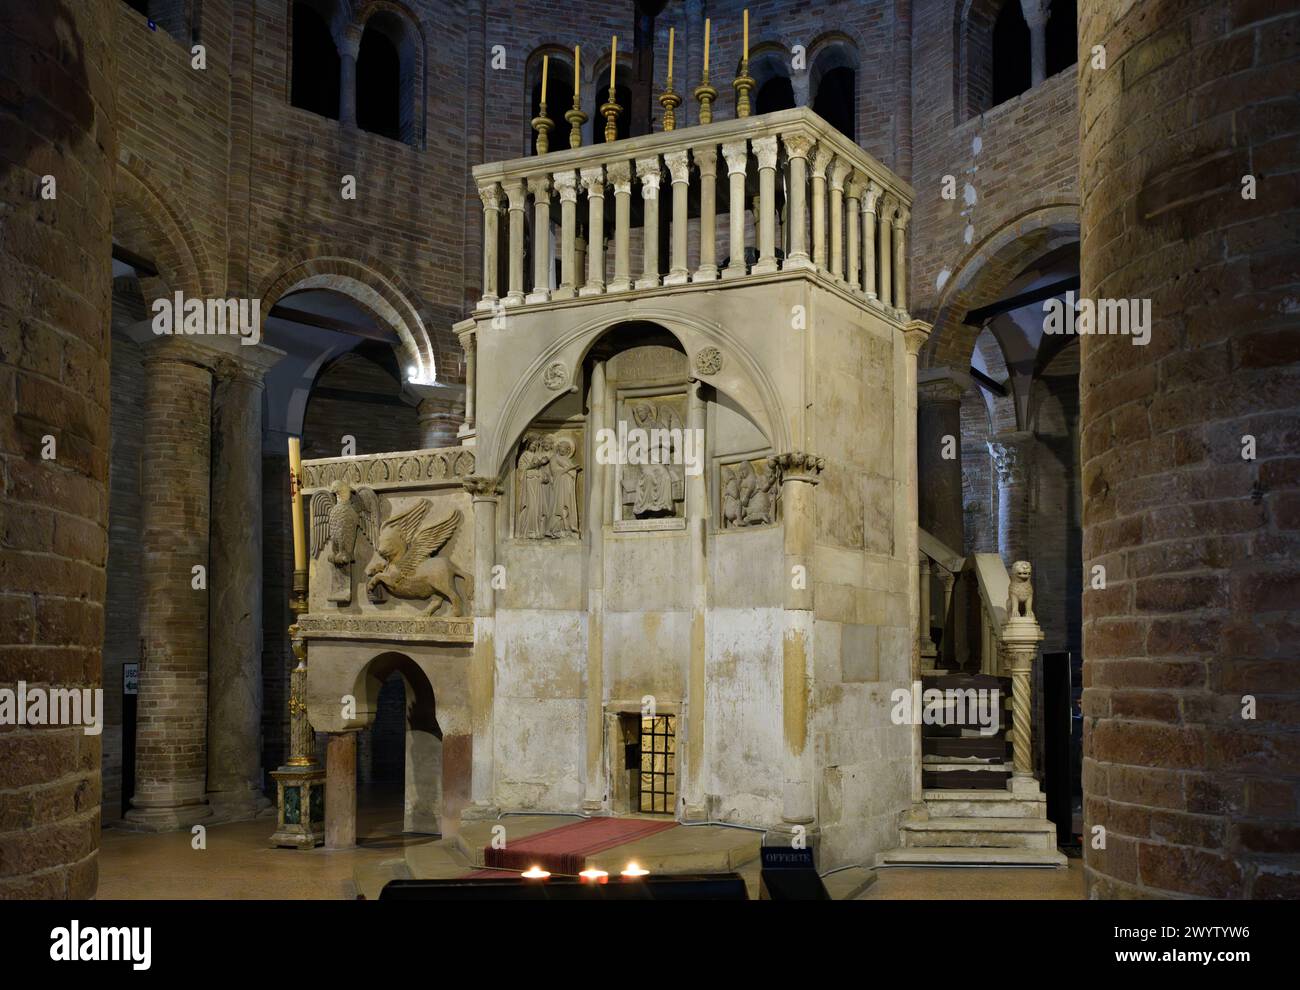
pixel 542 124
pixel 576 119
pixel 610 112
pixel 743 84
pixel 670 101
pixel 705 95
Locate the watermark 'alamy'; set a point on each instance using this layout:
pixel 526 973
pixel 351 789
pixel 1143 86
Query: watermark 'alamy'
pixel 656 445
pixel 199 317
pixel 956 706
pixel 90 944
pixel 1099 316
pixel 53 706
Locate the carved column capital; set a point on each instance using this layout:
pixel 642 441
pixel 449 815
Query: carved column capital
pixel 482 487
pixel 737 155
pixel 822 157
pixel 540 187
pixel 593 180
pixel 566 185
pixel 490 194
pixel 706 159
pixel 517 194
pixel 765 151
pixel 797 145
pixel 620 176
pixel 839 171
pixel 900 219
pixel 648 173
pixel 798 465
pixel 856 185
pixel 1010 457
pixel 679 165
pixel 871 198
pixel 915 334
pixel 888 205
pixel 1036 12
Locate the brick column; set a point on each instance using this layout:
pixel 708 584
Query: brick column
pixel 1195 790
pixel 235 777
pixel 54 381
pixel 171 735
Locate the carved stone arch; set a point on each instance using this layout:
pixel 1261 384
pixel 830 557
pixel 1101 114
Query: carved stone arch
pixel 985 270
pixel 741 377
pixel 145 223
pixel 372 286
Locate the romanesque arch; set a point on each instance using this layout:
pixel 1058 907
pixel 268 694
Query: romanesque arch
pixel 145 223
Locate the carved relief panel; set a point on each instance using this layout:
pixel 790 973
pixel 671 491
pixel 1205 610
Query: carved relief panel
pixel 749 492
pixel 654 452
pixel 548 485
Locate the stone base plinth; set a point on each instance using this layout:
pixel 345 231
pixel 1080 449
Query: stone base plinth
pixel 299 807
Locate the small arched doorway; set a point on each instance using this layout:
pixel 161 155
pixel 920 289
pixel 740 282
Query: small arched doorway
pixel 422 748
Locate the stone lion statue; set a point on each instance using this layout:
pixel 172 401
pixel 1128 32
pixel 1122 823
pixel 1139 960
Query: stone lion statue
pixel 1020 591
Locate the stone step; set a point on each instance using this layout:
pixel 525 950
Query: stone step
pixel 983 804
pixel 987 747
pixel 965 856
pixel 970 776
pixel 1018 833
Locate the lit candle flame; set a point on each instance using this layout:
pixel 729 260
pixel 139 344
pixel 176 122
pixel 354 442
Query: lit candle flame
pixel 633 870
pixel 593 875
pixel 535 873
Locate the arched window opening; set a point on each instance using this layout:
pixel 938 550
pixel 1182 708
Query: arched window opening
pixel 775 94
pixel 836 101
pixel 379 83
pixel 314 83
pixel 559 98
pixel 1012 72
pixel 833 85
pixel 1062 36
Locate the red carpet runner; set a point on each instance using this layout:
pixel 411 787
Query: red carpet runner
pixel 565 849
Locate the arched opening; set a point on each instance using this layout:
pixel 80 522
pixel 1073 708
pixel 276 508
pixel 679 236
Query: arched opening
pixel 314 58
pixel 1062 36
pixel 406 710
pixel 1012 71
pixel 386 67
pixel 833 84
pixel 359 395
pixel 773 88
pixel 559 98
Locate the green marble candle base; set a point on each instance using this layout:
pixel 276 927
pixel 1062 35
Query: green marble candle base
pixel 299 807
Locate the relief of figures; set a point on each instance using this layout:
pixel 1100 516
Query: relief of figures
pixel 653 480
pixel 749 497
pixel 547 473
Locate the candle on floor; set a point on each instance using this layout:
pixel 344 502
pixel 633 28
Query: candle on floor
pixel 535 873
pixel 634 872
pixel 593 875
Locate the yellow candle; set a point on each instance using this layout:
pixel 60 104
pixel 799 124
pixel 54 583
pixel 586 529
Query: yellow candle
pixel 295 495
pixel 747 34
pixel 546 65
pixel 706 46
pixel 613 60
pixel 577 71
pixel 671 34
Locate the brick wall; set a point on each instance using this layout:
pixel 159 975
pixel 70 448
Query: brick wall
pixel 1199 544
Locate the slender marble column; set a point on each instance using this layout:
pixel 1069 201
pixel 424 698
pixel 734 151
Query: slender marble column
pixel 853 195
pixel 517 194
pixel 679 168
pixel 797 148
pixel 900 259
pixel 839 170
pixel 648 174
pixel 706 160
pixel 566 185
pixel 822 158
pixel 1036 13
pixel 765 150
pixel 540 187
pixel 593 180
pixel 736 154
pixel 620 176
pixel 1012 455
pixel 885 253
pixel 349 47
pixel 869 205
pixel 490 194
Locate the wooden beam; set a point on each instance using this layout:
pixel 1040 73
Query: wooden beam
pixel 987 383
pixel 978 317
pixel 301 316
pixel 141 264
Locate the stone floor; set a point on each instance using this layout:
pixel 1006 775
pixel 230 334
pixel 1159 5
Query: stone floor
pixel 238 864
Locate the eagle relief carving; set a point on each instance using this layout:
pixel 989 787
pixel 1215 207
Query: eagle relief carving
pixel 338 516
pixel 409 565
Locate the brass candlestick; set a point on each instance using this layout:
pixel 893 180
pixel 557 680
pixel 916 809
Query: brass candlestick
pixel 743 84
pixel 705 94
pixel 542 124
pixel 670 101
pixel 610 112
pixel 576 119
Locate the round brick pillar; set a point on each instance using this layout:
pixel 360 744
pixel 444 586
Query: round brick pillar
pixel 171 735
pixel 57 118
pixel 1191 755
pixel 939 417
